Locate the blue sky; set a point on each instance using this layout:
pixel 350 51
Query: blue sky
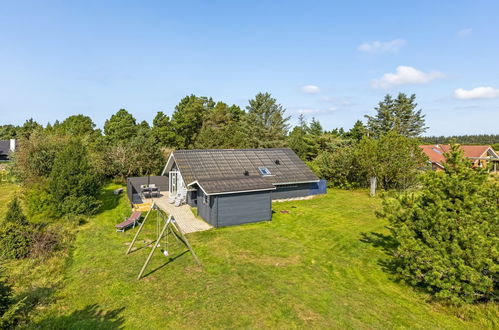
pixel 329 59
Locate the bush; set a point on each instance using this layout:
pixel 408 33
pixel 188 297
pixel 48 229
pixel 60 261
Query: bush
pixel 72 183
pixel 15 235
pixel 447 234
pixel 340 168
pixel 9 309
pixel 44 241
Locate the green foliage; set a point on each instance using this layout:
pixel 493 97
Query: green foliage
pixel 121 126
pixel 357 132
pixel 397 115
pixel 34 159
pixel 72 183
pixel 8 132
pixel 482 139
pixel 221 128
pixel 15 233
pixel 315 127
pixel 9 308
pixel 162 130
pixel 447 234
pixel 77 125
pixel 187 119
pixel 340 167
pixel 393 159
pixel 28 128
pixel 266 125
pixel 302 141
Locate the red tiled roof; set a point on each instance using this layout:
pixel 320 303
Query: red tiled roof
pixel 435 152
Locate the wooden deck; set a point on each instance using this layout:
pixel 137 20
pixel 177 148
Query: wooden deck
pixel 183 215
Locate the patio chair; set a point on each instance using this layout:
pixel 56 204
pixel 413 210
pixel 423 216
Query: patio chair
pixel 130 221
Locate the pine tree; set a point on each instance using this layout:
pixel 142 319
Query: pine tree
pixel 187 119
pixel 121 126
pixel 162 130
pixel 15 214
pixel 397 115
pixel 302 142
pixel 266 125
pixel 447 233
pixel 357 132
pixel 315 127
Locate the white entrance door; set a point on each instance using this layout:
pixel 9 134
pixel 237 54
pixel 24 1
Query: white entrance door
pixel 173 183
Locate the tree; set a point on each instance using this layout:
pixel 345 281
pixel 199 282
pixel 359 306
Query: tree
pixel 33 161
pixel 302 142
pixel 357 132
pixel 121 126
pixel 76 125
pixel 221 128
pixel 447 233
pixel 28 128
pixel 315 127
pixel 8 132
pixel 15 234
pixel 162 130
pixel 393 159
pixel 397 115
pixel 72 183
pixel 266 125
pixel 15 214
pixel 340 167
pixel 187 119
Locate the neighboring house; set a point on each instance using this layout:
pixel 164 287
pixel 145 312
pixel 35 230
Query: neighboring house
pixel 480 156
pixel 235 186
pixel 6 147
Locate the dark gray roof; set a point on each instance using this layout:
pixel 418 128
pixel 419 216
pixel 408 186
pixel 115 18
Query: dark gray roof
pixel 225 170
pixel 228 185
pixel 4 147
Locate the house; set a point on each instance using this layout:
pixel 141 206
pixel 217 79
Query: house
pixel 235 186
pixel 6 147
pixel 480 156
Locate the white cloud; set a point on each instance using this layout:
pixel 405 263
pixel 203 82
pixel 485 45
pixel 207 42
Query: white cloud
pixel 382 46
pixel 310 89
pixel 405 75
pixel 476 93
pixel 464 32
pixel 312 111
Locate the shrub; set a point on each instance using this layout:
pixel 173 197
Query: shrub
pixel 14 232
pixel 340 168
pixel 44 241
pixel 72 183
pixel 447 233
pixel 9 309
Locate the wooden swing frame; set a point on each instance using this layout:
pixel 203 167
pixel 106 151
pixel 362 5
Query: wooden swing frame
pixel 170 225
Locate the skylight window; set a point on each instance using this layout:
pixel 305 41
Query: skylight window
pixel 264 171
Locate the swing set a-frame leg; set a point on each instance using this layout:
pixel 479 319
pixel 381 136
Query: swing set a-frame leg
pixel 140 229
pixel 184 240
pixel 153 249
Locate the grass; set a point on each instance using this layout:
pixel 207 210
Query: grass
pixel 320 264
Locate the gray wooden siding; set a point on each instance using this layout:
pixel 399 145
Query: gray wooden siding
pixel 236 209
pixel 293 190
pixel 207 211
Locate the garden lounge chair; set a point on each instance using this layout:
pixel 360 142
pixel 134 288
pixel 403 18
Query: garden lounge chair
pixel 131 221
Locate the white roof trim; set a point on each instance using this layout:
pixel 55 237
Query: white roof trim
pixel 167 163
pixel 228 192
pixel 281 183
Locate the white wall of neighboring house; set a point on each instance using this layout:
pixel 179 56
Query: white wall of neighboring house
pixel 12 144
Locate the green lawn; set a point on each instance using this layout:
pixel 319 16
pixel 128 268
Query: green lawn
pixel 320 265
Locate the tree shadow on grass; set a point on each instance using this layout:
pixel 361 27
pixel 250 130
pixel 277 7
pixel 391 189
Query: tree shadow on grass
pixel 90 317
pixel 109 200
pixel 387 244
